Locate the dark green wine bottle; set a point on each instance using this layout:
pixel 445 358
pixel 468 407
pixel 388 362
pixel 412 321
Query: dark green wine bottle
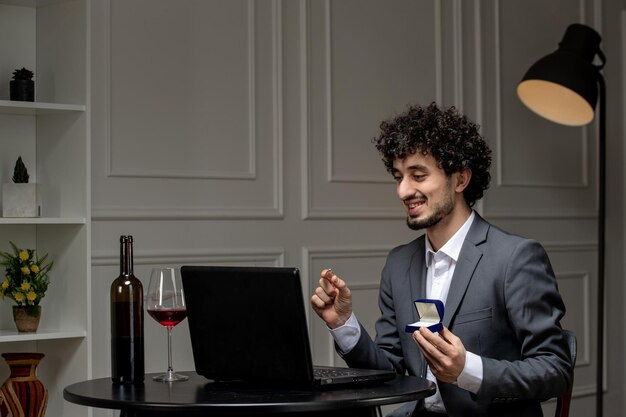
pixel 127 348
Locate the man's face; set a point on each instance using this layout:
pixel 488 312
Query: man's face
pixel 424 188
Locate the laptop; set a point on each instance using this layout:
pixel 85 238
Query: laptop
pixel 249 324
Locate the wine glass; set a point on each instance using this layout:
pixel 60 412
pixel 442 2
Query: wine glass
pixel 165 302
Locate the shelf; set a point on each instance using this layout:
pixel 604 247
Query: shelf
pixel 29 108
pixel 31 3
pixel 41 334
pixel 42 220
pixel 53 135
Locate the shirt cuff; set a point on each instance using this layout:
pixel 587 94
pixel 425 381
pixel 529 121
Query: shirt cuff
pixel 472 375
pixel 348 335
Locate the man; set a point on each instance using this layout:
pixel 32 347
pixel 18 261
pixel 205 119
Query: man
pixel 501 350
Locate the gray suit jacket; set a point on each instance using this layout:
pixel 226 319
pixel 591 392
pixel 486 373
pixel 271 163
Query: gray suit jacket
pixel 503 304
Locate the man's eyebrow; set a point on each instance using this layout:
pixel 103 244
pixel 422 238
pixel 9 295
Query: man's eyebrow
pixel 418 167
pixel 414 167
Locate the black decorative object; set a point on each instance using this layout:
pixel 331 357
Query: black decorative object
pixel 20 172
pixel 22 86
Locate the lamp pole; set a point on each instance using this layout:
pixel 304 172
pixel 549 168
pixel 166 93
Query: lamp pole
pixel 601 242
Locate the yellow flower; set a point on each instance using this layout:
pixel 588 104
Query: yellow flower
pixel 25 286
pixel 19 297
pixel 34 268
pixel 26 270
pixel 32 296
pixel 5 284
pixel 23 255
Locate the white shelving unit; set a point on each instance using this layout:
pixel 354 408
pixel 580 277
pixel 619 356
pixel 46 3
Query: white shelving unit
pixel 25 108
pixel 52 134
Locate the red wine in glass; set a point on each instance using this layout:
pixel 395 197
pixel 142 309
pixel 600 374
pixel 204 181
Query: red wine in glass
pixel 168 318
pixel 165 302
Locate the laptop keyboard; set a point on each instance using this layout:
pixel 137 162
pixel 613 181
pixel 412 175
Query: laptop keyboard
pixel 325 373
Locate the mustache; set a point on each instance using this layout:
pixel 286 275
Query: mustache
pixel 419 198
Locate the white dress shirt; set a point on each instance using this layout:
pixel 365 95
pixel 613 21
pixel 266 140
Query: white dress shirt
pixel 440 269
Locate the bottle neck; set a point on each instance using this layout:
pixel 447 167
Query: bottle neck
pixel 126 255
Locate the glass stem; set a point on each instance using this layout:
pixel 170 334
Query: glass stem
pixel 169 349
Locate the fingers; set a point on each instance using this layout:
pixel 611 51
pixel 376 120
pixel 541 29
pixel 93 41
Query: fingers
pixel 448 336
pixel 326 283
pixel 444 352
pixel 332 300
pixel 331 282
pixel 443 343
pixel 429 342
pixel 330 287
pixel 325 294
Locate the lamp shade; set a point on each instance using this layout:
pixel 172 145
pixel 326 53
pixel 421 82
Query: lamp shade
pixel 563 86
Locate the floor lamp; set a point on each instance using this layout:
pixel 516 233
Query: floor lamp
pixel 563 87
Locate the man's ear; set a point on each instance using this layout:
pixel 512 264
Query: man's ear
pixel 463 178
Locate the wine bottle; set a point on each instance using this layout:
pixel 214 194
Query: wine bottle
pixel 127 349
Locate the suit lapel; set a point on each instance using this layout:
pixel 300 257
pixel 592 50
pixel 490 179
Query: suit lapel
pixel 468 260
pixel 417 288
pixel 417 273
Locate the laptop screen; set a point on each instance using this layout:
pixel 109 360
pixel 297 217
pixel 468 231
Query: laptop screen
pixel 247 323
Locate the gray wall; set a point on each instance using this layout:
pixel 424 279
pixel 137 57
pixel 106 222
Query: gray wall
pixel 238 132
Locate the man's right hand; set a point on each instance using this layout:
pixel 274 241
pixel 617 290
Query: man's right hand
pixel 332 300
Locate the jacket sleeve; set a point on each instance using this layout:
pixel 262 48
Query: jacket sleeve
pixel 534 309
pixel 386 351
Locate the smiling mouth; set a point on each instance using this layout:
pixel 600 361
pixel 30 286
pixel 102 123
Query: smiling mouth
pixel 414 206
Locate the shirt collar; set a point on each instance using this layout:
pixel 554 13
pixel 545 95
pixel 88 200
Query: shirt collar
pixel 453 246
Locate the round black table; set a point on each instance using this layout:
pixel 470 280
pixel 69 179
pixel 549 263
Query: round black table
pixel 200 396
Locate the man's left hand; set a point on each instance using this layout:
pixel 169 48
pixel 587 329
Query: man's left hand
pixel 444 353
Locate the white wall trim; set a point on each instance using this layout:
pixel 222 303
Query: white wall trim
pixel 535 214
pixel 184 213
pixel 193 256
pixel 457 47
pixel 438 36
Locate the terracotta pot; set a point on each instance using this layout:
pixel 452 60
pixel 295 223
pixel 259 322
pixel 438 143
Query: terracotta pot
pixel 23 394
pixel 26 318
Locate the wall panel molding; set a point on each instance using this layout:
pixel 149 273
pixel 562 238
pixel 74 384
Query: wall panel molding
pixel 134 172
pixel 316 205
pixel 584 339
pixel 311 254
pixel 331 256
pixel 207 182
pixel 538 215
pixel 274 256
pixel 501 181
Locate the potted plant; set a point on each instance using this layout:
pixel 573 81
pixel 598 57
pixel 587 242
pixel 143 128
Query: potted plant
pixel 19 198
pixel 26 282
pixel 22 86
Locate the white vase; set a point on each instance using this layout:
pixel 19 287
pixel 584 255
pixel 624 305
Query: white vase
pixel 19 200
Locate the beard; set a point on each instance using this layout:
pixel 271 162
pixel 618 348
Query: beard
pixel 439 212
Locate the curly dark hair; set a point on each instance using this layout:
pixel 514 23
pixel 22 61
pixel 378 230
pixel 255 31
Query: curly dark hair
pixel 451 138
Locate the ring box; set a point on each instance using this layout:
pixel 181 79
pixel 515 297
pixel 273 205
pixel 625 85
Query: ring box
pixel 430 312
